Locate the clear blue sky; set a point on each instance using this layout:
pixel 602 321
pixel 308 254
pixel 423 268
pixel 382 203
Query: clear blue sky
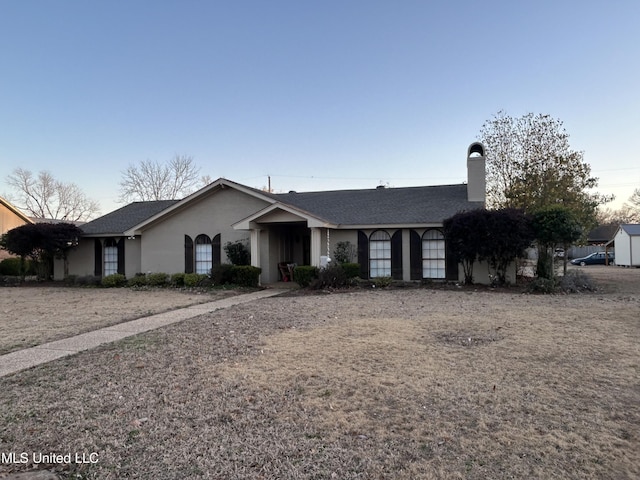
pixel 318 94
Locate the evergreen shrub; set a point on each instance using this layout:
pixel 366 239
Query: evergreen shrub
pixel 114 281
pixel 304 275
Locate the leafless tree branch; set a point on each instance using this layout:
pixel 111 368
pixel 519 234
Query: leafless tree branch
pixel 151 180
pixel 43 196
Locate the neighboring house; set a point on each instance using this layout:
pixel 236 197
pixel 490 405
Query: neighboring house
pixel 10 218
pixel 397 231
pixel 596 241
pixel 601 234
pixel 627 244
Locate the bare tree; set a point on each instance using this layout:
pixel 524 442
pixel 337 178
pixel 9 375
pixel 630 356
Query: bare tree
pixel 634 205
pixel 629 212
pixel 151 180
pixel 43 196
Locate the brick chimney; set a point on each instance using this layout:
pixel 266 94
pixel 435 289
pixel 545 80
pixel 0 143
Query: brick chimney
pixel 476 173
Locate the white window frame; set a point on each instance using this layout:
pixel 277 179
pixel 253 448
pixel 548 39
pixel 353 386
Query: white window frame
pixel 380 254
pixel 110 257
pixel 203 254
pixel 433 255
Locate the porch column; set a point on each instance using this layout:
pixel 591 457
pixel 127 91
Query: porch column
pixel 316 246
pixel 255 247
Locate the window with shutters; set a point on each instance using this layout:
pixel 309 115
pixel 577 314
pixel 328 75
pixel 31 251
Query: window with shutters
pixel 203 254
pixel 433 254
pixel 110 257
pixel 379 254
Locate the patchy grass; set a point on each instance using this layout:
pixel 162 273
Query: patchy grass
pixel 32 315
pixel 360 385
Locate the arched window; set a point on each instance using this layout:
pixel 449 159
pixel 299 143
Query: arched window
pixel 204 254
pixel 379 254
pixel 433 254
pixel 110 257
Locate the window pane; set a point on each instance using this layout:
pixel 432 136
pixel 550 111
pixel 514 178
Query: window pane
pixel 380 254
pixel 204 256
pixel 433 254
pixel 110 260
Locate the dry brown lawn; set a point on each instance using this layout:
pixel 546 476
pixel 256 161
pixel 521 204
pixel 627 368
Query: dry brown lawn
pixel 388 384
pixel 33 315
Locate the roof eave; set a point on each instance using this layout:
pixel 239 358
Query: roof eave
pixel 249 222
pixel 15 210
pixel 369 226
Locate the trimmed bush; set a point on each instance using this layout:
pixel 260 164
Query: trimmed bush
pixel 304 275
pixel 351 270
pixel 238 252
pixel 157 279
pixel 115 280
pixel 245 275
pixel 139 280
pixel 332 276
pixel 221 274
pixel 194 279
pixel 10 266
pixel 88 281
pixel 382 282
pixel 177 279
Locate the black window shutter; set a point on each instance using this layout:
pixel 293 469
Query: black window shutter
pixel 363 254
pixel 120 246
pixel 396 255
pixel 188 254
pixel 97 254
pixel 415 247
pixel 451 263
pixel 217 250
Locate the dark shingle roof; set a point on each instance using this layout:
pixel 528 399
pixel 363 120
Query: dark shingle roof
pixel 601 234
pixel 126 217
pixel 378 206
pixel 384 206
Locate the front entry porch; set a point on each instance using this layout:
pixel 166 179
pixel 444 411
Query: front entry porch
pixel 283 236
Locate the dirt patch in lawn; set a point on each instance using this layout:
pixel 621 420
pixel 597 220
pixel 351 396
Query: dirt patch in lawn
pixel 358 385
pixel 33 315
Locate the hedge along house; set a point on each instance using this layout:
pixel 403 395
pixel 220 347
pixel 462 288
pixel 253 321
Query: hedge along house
pixel 396 232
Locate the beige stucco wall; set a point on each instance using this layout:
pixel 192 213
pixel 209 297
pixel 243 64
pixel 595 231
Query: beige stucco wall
pixel 81 261
pixel 132 264
pixel 162 244
pixel 336 236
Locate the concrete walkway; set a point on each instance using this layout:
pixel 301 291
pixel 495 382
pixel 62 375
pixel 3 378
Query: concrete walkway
pixel 30 357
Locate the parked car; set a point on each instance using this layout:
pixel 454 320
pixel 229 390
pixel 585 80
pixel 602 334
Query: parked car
pixel 597 258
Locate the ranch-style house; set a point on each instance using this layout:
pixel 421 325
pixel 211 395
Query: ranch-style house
pixel 396 232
